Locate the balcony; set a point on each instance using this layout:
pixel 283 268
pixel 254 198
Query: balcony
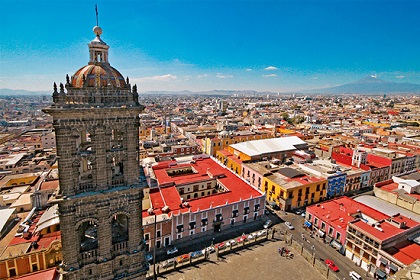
pixel 120 248
pixel 86 187
pixel 118 182
pixel 88 257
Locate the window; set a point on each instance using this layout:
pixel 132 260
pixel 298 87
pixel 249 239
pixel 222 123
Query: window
pixel 317 188
pixel 180 228
pixel 330 231
pixel 158 233
pixel 246 210
pixel 146 236
pixel 338 236
pixel 192 225
pixel 204 221
pixel 235 213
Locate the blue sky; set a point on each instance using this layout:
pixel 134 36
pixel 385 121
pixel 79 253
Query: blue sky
pixel 202 45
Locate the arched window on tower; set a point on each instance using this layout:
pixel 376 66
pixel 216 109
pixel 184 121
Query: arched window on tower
pixel 117 139
pixel 119 226
pixel 88 236
pixel 117 171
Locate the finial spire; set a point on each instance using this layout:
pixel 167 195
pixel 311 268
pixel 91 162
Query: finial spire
pixel 96 11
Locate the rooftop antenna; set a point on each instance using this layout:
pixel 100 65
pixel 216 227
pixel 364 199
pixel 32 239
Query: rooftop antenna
pixel 96 10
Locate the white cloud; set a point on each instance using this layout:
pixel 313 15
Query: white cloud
pixel 270 68
pixel 400 77
pixel 374 76
pixel 248 69
pixel 270 75
pixel 164 78
pixel 220 76
pixel 202 76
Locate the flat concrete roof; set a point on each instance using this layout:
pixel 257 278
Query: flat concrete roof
pixel 386 207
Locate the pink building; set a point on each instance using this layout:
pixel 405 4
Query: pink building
pixel 197 198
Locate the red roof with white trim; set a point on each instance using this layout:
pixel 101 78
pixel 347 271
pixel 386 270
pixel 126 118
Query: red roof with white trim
pixel 205 170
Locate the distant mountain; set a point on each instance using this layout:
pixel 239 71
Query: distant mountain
pixel 209 92
pixel 21 92
pixel 371 85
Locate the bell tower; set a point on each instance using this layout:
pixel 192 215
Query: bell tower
pixel 96 121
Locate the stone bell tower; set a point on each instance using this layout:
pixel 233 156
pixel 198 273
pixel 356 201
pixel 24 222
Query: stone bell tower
pixel 96 122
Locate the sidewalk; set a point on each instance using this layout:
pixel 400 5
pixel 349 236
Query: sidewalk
pixel 196 243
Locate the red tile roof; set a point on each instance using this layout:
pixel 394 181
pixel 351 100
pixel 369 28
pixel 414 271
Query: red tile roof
pixel 48 274
pixel 49 185
pixel 391 186
pixel 387 230
pixel 206 171
pixel 407 253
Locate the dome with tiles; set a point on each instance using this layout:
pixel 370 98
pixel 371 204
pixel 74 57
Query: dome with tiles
pixel 98 72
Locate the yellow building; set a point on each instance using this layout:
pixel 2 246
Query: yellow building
pixel 290 188
pixel 230 161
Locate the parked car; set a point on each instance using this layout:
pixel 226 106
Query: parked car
pixel 196 254
pixel 172 251
pixel 183 258
pixel 268 224
pixel 355 276
pixel 262 233
pixel 289 225
pixel 168 263
pixel 298 212
pixel 303 214
pixel 221 245
pixel 332 265
pixel 242 239
pixel 209 249
pixel 252 236
pixel 231 242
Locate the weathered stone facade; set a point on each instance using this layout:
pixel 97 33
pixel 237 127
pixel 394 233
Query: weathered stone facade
pixel 96 125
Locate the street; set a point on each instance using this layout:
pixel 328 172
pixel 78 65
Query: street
pixel 268 249
pixel 322 251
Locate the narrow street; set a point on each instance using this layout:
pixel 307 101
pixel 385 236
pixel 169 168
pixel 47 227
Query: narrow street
pixel 321 250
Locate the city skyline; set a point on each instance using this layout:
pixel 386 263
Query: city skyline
pixel 203 45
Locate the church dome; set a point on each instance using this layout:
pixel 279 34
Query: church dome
pixel 98 72
pixel 98 75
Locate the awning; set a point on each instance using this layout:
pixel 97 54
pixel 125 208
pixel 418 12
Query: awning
pixel 321 233
pixel 381 274
pixel 307 223
pixel 383 261
pixel 328 239
pixel 45 224
pixel 337 245
pixel 393 267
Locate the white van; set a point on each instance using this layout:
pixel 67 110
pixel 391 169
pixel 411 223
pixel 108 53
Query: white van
pixel 355 276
